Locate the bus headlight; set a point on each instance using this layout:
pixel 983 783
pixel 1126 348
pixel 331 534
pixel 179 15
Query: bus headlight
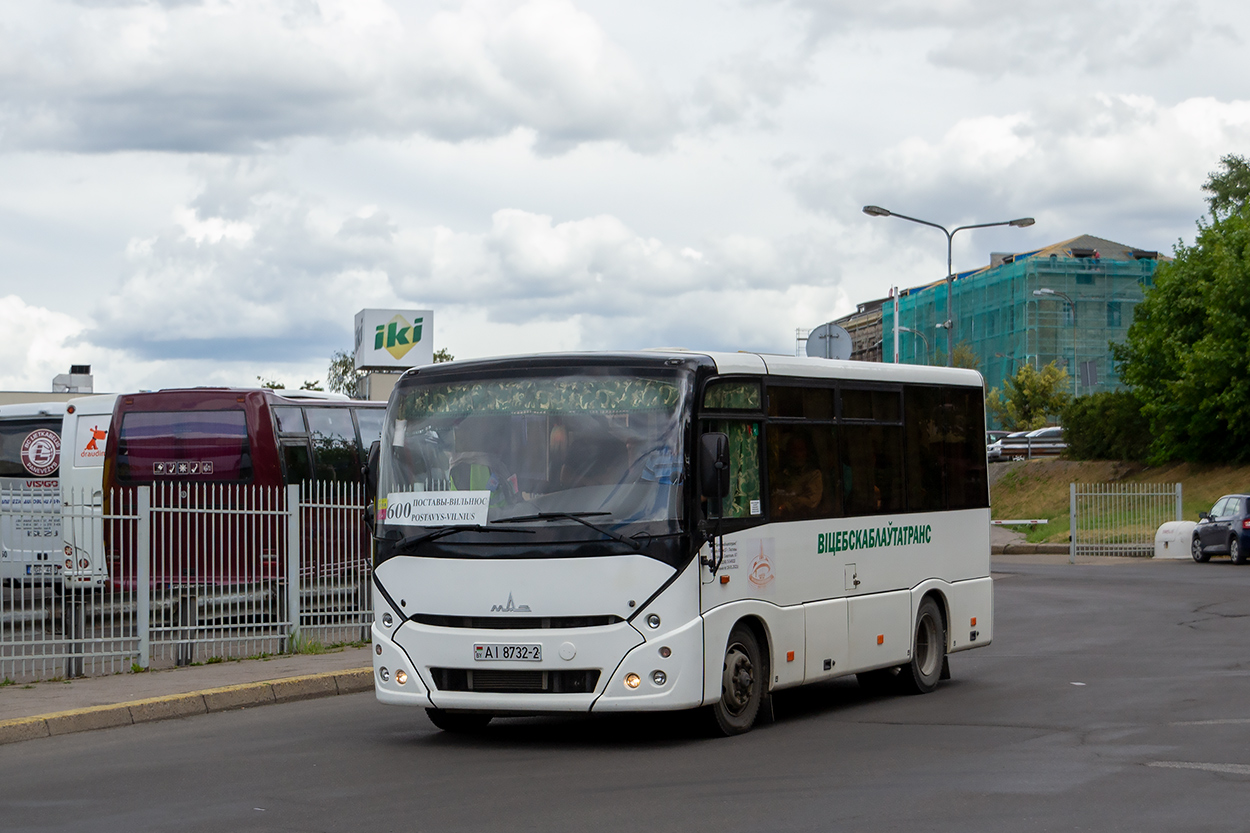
pixel 659 677
pixel 384 674
pixel 653 621
pixel 401 676
pixel 387 621
pixel 632 680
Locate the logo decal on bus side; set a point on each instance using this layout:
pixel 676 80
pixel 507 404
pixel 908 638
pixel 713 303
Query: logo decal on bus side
pixel 41 452
pixel 873 537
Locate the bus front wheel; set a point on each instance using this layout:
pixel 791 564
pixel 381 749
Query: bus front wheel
pixel 463 723
pixel 743 680
pixel 921 675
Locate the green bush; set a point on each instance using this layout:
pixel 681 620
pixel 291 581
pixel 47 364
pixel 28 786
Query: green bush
pixel 1106 426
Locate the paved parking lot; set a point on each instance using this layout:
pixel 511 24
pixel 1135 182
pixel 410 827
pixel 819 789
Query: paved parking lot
pixel 1114 698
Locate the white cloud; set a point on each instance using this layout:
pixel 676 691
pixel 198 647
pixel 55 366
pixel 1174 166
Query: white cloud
pixel 236 75
pixel 38 344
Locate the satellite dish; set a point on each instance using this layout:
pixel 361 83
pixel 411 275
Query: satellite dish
pixel 829 341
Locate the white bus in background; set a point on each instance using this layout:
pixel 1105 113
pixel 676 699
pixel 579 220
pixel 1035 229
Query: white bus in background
pixel 30 493
pixel 84 432
pixel 674 530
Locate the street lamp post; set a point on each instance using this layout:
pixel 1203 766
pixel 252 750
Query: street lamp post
pixel 878 211
pixel 922 338
pixel 1047 292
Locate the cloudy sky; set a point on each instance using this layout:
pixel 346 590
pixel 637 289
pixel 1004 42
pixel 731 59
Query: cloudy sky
pixel 203 192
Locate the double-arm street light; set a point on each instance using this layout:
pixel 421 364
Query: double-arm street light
pixel 922 338
pixel 1047 292
pixel 878 211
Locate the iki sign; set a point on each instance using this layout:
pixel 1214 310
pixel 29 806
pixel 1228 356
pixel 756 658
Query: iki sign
pixel 391 338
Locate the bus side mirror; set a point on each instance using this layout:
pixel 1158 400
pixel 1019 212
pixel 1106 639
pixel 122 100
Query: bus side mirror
pixel 714 466
pixel 370 472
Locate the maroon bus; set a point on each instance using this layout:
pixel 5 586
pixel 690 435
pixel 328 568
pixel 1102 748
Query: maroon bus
pixel 217 460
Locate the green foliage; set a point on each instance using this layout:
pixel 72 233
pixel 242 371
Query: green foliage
pixel 1230 187
pixel 300 644
pixel 443 355
pixel 136 668
pixel 1106 426
pixel 315 384
pixel 965 356
pixel 1031 398
pixel 1186 356
pixel 272 384
pixel 342 376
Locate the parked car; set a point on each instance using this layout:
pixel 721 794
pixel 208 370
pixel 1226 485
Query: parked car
pixel 1225 530
pixel 1022 445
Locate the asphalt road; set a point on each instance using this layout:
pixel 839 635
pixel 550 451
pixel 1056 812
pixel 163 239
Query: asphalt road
pixel 1115 697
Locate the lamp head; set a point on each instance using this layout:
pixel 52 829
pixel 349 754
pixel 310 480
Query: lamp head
pixel 1043 291
pixel 876 211
pixel 1021 223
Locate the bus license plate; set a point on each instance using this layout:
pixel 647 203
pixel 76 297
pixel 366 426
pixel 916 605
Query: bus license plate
pixel 39 569
pixel 524 653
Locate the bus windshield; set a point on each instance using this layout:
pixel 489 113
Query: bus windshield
pixel 607 448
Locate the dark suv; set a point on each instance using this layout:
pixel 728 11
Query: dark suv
pixel 1225 530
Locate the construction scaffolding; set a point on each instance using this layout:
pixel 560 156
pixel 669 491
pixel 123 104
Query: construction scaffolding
pixel 1000 316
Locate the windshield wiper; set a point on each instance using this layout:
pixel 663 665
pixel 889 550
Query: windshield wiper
pixel 416 540
pixel 579 517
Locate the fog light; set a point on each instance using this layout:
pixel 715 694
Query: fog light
pixel 632 680
pixel 401 676
pixel 377 649
pixel 387 620
pixel 653 621
pixel 69 550
pixel 384 674
pixel 666 652
pixel 659 677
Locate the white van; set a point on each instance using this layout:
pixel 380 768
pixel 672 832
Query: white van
pixel 84 431
pixel 30 494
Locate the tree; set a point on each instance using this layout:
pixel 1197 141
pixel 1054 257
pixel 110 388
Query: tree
pixel 443 355
pixel 1185 356
pixel 342 376
pixel 315 384
pixel 964 356
pixel 272 384
pixel 1031 398
pixel 1108 425
pixel 1229 188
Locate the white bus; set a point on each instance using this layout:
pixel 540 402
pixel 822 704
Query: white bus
pixel 671 530
pixel 84 434
pixel 30 493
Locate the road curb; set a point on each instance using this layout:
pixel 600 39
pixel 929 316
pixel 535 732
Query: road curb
pixel 223 698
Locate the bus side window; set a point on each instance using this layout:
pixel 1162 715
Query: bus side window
pixel 924 409
pixel 744 467
pixel 802 472
pixel 334 444
pixel 298 466
pixel 371 422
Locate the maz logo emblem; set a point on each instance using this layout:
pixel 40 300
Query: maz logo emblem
pixel 510 607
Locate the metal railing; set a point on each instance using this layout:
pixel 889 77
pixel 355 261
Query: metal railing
pixel 184 573
pixel 1119 518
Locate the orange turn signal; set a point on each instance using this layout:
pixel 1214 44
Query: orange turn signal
pixel 974 621
pixel 789 656
pixel 724 579
pixel 880 639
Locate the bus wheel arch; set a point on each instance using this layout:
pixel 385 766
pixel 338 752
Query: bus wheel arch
pixel 745 678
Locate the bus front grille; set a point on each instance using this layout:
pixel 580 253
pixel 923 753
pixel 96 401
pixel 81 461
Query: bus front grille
pixel 515 682
pixel 500 623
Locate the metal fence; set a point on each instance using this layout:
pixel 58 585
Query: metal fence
pixel 180 573
pixel 1120 518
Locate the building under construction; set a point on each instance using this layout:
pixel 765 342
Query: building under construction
pixel 1064 303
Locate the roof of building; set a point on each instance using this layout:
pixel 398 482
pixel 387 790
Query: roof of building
pixel 1082 246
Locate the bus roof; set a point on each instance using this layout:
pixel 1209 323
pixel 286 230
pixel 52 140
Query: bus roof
pixel 740 362
pixel 100 403
pixel 26 410
pixel 281 393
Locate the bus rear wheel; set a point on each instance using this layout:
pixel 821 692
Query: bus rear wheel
pixel 461 723
pixel 743 680
pixel 921 675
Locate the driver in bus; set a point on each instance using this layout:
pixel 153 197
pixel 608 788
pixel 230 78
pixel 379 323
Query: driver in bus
pixel 799 486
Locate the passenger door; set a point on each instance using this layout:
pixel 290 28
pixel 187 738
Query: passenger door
pixel 1208 531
